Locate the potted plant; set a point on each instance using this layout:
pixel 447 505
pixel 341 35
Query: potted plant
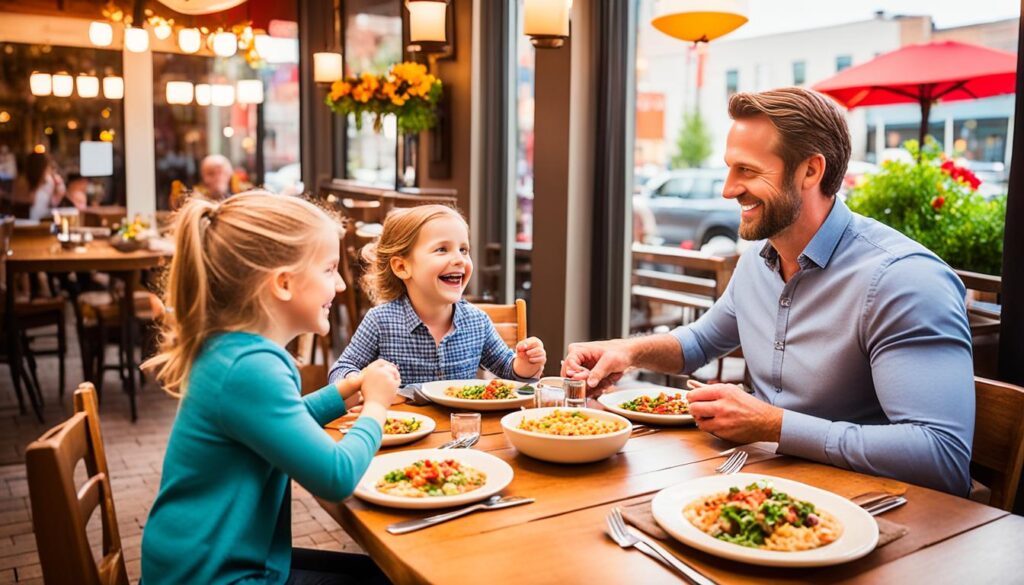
pixel 936 202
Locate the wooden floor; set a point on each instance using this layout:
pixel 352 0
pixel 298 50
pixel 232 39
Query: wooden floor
pixel 135 456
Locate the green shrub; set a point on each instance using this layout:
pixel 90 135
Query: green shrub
pixel 936 203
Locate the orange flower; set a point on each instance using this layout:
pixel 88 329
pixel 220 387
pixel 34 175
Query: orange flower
pixel 340 89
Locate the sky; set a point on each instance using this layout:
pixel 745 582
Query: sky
pixel 775 16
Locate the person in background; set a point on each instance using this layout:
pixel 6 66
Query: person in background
pixel 76 193
pixel 215 171
pixel 45 187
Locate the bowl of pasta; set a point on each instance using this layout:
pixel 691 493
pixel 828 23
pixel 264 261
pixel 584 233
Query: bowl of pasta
pixel 765 520
pixel 433 478
pixel 566 435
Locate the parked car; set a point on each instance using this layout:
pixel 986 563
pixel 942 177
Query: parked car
pixel 993 175
pixel 688 207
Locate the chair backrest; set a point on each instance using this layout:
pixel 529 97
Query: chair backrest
pixel 998 452
pixel 313 375
pixel 509 320
pixel 60 511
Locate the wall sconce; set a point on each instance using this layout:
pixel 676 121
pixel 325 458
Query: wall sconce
pixel 101 34
pixel 136 39
pixel 327 67
pixel 88 86
pixel 113 87
pixel 249 91
pixel 179 92
pixel 546 22
pixel 203 94
pixel 699 21
pixel 63 84
pixel 41 84
pixel 225 44
pixel 189 40
pixel 428 25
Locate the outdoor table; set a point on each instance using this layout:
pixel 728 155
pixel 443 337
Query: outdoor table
pixel 561 537
pixel 34 253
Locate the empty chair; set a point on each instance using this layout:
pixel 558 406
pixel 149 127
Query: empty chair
pixel 998 451
pixel 61 511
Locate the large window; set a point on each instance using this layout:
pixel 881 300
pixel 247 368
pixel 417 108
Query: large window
pixel 56 126
pixel 732 81
pixel 843 62
pixel 799 72
pixel 373 42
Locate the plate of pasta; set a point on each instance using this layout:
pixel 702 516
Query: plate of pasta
pixel 656 405
pixel 433 478
pixel 405 427
pixel 765 520
pixel 477 394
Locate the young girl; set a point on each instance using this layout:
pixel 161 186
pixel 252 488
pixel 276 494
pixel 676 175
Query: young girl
pixel 418 271
pixel 249 275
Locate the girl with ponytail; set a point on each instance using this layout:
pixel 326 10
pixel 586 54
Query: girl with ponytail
pixel 249 275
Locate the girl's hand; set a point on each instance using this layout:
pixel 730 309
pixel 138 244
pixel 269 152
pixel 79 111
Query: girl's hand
pixel 530 358
pixel 380 382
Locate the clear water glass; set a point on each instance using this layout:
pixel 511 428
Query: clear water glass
pixel 549 393
pixel 465 424
pixel 575 393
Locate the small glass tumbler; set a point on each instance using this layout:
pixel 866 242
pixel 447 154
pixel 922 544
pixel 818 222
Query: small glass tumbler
pixel 548 393
pixel 575 393
pixel 465 424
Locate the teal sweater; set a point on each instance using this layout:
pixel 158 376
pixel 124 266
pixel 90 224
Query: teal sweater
pixel 223 513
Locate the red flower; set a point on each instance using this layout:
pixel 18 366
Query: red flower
pixel 938 202
pixel 961 174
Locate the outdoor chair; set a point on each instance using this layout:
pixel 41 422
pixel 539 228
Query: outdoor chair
pixel 998 451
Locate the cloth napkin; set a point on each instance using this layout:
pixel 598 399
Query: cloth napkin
pixel 640 515
pixel 413 394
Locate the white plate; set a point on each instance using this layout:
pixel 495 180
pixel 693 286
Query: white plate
pixel 499 475
pixel 859 537
pixel 435 392
pixel 613 400
pixel 426 428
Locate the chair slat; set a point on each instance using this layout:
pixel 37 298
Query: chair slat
pixel 998 438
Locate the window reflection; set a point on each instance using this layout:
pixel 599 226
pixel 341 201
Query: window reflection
pixel 373 42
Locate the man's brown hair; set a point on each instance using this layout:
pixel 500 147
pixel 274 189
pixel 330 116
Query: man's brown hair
pixel 808 123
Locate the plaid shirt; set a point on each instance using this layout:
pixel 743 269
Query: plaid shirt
pixel 394 332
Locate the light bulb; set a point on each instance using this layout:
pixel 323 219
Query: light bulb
pixel 162 30
pixel 327 67
pixel 189 40
pixel 101 33
pixel 136 39
pixel 40 83
pixel 179 92
pixel 203 94
pixel 113 88
pixel 222 95
pixel 88 86
pixel 63 84
pixel 225 44
pixel 250 91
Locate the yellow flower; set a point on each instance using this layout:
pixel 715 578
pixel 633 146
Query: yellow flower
pixel 398 100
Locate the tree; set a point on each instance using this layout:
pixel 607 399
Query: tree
pixel 693 146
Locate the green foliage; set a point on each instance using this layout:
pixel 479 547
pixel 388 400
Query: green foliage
pixel 945 214
pixel 693 146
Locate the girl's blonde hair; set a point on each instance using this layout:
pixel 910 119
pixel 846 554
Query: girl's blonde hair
pixel 401 228
pixel 224 253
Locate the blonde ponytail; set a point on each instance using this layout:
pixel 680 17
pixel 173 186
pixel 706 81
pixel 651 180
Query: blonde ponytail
pixel 223 254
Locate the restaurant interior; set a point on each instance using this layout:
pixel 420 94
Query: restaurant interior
pixel 540 124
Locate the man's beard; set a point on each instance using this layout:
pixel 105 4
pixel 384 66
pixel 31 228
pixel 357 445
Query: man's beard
pixel 776 214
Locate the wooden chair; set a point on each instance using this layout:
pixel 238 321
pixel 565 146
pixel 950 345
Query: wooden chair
pixel 304 349
pixel 984 296
pixel 998 452
pixel 509 320
pixel 61 511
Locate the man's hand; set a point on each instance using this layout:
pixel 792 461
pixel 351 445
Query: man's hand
pixel 600 363
pixel 726 411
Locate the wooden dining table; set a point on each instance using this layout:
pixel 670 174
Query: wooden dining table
pixel 43 253
pixel 561 537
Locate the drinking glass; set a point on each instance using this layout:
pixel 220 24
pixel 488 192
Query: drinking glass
pixel 465 424
pixel 549 392
pixel 575 393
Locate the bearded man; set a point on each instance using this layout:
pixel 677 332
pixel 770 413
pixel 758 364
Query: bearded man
pixel 856 337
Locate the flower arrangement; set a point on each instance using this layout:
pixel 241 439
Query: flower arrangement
pixel 935 201
pixel 407 91
pixel 130 236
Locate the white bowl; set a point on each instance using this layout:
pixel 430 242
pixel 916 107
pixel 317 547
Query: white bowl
pixel 559 449
pixel 435 392
pixel 427 426
pixel 499 475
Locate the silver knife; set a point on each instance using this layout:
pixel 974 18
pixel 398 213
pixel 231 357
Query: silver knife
pixel 493 503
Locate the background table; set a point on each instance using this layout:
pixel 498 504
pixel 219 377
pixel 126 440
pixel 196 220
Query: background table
pixel 37 253
pixel 561 537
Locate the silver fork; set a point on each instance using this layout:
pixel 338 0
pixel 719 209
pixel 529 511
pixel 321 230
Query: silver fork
pixel 733 464
pixel 456 443
pixel 627 538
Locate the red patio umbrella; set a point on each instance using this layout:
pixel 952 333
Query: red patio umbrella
pixel 925 74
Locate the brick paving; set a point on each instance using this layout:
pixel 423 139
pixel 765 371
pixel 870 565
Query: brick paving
pixel 135 457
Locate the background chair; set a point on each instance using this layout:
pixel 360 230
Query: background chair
pixel 998 452
pixel 509 320
pixel 60 511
